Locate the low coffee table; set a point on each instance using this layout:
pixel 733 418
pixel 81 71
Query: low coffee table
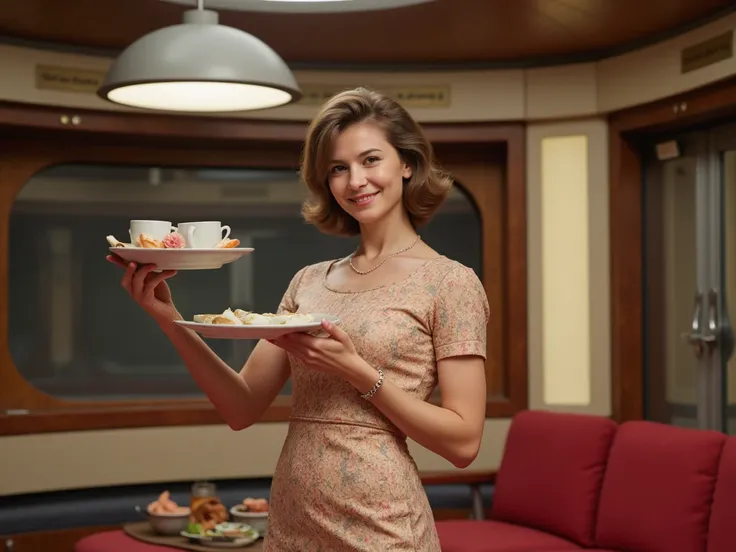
pixel 145 540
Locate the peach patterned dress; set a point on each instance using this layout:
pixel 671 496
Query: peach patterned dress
pixel 345 481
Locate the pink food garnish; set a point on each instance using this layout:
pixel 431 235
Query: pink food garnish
pixel 174 241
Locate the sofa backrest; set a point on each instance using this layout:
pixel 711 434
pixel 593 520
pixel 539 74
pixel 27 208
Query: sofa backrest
pixel 722 536
pixel 551 473
pixel 658 488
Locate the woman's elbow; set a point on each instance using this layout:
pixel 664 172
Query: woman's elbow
pixel 239 424
pixel 465 454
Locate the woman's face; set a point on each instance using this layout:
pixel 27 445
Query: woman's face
pixel 366 173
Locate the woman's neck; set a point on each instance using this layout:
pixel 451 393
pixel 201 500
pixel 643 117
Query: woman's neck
pixel 386 237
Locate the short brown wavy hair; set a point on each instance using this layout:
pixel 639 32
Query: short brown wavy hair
pixel 424 192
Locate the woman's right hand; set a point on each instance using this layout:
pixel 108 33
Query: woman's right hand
pixel 149 289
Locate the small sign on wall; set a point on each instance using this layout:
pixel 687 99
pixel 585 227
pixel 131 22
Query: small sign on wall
pixel 54 77
pixel 408 96
pixel 708 52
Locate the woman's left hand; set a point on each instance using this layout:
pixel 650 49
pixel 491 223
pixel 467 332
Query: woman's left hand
pixel 334 354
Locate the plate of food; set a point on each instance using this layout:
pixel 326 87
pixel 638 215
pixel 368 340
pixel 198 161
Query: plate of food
pixel 241 324
pixel 168 254
pixel 252 511
pixel 223 535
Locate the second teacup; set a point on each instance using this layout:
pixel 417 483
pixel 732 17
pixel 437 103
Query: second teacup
pixel 203 234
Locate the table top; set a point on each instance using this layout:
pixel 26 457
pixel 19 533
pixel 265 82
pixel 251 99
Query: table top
pixel 145 540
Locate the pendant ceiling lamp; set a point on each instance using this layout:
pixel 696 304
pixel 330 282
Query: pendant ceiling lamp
pixel 200 66
pixel 306 6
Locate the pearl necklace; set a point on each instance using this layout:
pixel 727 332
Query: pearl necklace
pixel 364 272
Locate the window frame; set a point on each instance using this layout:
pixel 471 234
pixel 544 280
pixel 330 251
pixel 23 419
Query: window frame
pixel 31 138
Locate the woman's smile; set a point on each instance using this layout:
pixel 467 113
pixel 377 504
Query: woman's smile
pixel 363 200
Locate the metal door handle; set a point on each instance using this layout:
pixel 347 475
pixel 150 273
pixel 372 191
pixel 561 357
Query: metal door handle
pixel 695 338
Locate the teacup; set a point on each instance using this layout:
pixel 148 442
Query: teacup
pixel 156 229
pixel 203 234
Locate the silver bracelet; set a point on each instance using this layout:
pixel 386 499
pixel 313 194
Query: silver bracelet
pixel 375 388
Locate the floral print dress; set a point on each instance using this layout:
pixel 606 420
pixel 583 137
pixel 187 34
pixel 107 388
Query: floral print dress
pixel 345 481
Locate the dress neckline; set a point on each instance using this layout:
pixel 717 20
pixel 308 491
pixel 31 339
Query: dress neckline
pixel 406 278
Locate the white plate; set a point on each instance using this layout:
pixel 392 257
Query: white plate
pixel 208 541
pixel 181 259
pixel 270 331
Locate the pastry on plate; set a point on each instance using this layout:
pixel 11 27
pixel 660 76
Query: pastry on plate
pixel 240 317
pixel 227 317
pixel 205 318
pixel 251 318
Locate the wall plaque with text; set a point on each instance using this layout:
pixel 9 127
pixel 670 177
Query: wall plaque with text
pixel 708 52
pixel 69 79
pixel 408 96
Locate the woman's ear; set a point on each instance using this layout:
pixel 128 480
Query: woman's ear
pixel 406 172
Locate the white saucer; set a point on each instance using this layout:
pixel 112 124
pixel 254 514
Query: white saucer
pixel 182 259
pixel 270 331
pixel 237 542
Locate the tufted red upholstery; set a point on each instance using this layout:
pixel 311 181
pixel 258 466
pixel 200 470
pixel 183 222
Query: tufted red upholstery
pixel 574 482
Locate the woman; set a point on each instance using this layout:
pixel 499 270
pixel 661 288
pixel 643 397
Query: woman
pixel 409 319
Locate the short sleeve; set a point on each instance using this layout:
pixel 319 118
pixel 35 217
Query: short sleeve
pixel 289 302
pixel 461 315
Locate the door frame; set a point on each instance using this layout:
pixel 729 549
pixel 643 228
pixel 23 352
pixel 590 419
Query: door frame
pixel 629 129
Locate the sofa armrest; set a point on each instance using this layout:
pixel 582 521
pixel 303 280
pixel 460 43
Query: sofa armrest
pixel 474 479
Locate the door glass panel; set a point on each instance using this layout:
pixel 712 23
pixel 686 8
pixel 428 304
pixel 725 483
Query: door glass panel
pixel 670 233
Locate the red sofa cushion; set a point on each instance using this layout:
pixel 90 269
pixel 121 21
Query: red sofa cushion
pixel 496 536
pixel 722 536
pixel 551 473
pixel 658 488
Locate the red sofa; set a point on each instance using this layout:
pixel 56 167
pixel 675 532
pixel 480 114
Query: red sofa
pixel 575 482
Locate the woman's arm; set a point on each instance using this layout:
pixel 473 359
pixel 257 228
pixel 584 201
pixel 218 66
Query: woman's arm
pixel 453 430
pixel 240 398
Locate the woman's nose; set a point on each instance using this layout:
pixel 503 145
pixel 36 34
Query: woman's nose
pixel 357 178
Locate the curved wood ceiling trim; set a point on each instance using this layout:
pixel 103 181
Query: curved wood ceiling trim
pixel 517 34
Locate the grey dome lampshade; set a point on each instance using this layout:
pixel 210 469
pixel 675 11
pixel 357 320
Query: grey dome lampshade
pixel 200 66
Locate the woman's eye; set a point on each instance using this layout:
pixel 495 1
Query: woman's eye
pixel 371 160
pixel 336 169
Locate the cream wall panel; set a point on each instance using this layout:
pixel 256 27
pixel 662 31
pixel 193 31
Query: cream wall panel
pixel 562 91
pixel 56 461
pixel 654 73
pixel 597 294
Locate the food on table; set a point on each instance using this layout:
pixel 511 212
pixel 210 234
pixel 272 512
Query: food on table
pixel 209 514
pixel 256 505
pixel 245 318
pixel 222 531
pixel 164 505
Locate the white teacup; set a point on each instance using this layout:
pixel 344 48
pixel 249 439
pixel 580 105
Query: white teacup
pixel 157 229
pixel 203 234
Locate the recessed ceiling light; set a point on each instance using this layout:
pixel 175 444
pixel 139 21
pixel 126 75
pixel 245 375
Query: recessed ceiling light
pixel 303 6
